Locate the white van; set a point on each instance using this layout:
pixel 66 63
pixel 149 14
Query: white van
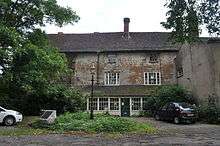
pixel 9 117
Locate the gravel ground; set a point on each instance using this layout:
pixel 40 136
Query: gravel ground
pixel 170 134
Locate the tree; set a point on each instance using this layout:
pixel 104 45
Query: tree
pixel 30 65
pixel 210 14
pixel 185 18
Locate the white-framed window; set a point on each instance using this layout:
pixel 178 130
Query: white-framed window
pixel 114 103
pixel 111 78
pixel 103 103
pixel 136 103
pixel 112 58
pixel 153 58
pixel 93 103
pixel 152 78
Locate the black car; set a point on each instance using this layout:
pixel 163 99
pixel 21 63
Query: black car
pixel 177 112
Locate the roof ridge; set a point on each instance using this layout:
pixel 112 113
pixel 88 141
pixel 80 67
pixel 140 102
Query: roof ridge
pixel 103 33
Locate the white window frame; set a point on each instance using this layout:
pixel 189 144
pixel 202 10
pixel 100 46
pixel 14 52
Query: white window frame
pixel 93 102
pixel 136 102
pixel 114 104
pixel 158 80
pixel 107 78
pixel 103 103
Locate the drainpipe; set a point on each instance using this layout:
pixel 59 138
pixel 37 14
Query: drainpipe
pixel 97 69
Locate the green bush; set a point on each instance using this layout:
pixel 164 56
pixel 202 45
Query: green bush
pixel 102 123
pixel 57 97
pixel 165 94
pixel 209 112
pixel 145 113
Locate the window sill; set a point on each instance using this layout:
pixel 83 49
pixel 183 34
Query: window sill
pixel 112 85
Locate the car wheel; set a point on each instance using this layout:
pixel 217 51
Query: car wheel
pixel 9 121
pixel 176 120
pixel 157 117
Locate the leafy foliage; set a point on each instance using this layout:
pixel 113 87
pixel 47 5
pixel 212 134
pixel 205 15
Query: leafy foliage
pixel 26 14
pixel 210 13
pixel 184 18
pixel 210 112
pixel 31 67
pixel 102 123
pixel 167 94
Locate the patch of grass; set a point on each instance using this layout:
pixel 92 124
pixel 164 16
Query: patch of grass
pixel 22 128
pixel 22 131
pixel 101 123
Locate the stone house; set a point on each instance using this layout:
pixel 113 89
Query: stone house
pixel 128 65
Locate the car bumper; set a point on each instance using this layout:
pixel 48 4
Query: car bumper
pixel 188 119
pixel 18 118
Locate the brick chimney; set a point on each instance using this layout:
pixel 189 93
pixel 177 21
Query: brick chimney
pixel 126 28
pixel 60 33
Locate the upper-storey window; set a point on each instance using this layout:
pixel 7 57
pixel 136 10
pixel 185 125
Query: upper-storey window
pixel 152 78
pixel 179 72
pixel 112 58
pixel 153 58
pixel 111 78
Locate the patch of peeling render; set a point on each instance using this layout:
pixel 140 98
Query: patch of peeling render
pixel 130 66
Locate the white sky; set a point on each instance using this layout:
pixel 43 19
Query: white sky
pixel 107 16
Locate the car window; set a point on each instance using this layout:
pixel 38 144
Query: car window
pixel 185 105
pixel 171 106
pixel 1 109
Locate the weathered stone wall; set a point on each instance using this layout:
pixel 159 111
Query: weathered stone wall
pixel 216 56
pixel 131 67
pixel 200 70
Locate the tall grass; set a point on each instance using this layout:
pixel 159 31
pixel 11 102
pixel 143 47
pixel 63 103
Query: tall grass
pixel 101 123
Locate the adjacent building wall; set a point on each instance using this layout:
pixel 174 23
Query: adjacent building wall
pixel 215 47
pixel 130 65
pixel 200 63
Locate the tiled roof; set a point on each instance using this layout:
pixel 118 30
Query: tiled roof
pixel 101 42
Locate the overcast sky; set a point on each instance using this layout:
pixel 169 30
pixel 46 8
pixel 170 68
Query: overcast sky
pixel 107 16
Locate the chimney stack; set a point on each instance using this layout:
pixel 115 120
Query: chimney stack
pixel 60 33
pixel 126 27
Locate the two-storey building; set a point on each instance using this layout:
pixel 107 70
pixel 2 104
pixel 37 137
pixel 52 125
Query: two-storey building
pixel 128 66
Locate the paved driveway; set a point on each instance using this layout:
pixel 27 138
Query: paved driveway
pixel 170 134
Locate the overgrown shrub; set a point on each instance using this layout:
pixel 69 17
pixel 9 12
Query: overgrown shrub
pixel 209 112
pixel 57 97
pixel 102 123
pixel 165 94
pixel 145 113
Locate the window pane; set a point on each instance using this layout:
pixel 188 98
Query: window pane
pixel 93 103
pixel 103 103
pixel 114 104
pixel 146 78
pixel 111 78
pixel 153 58
pixel 153 78
pixel 112 58
pixel 136 103
pixel 106 78
pixel 118 79
pixel 158 78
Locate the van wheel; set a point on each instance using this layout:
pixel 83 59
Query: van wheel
pixel 9 121
pixel 157 117
pixel 176 120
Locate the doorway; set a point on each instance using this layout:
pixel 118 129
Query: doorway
pixel 125 107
